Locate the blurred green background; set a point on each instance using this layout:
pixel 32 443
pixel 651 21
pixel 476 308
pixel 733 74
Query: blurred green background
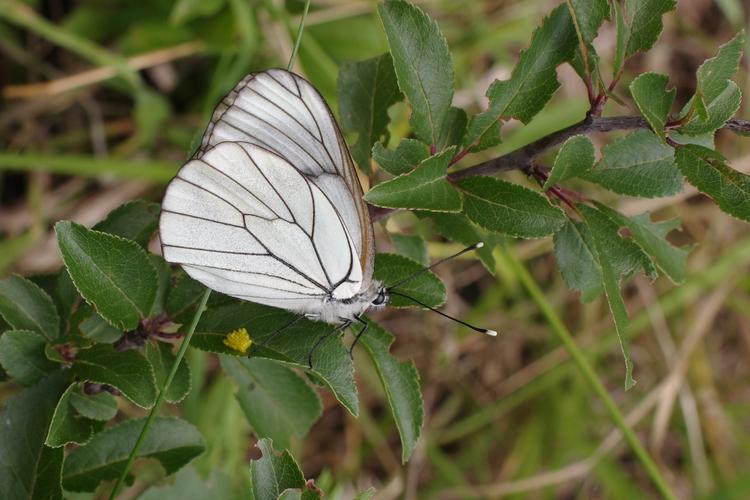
pixel 102 99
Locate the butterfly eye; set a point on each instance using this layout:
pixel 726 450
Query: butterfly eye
pixel 381 298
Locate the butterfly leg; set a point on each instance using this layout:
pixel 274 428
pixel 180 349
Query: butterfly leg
pixel 323 338
pixel 277 332
pixel 365 326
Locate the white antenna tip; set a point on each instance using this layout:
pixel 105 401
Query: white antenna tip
pixel 491 333
pixel 480 245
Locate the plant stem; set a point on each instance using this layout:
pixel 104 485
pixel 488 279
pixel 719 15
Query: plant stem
pixel 299 36
pixel 162 392
pixel 562 333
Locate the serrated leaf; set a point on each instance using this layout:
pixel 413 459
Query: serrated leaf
pixel 68 427
pixel 113 274
pixel 25 306
pixel 96 328
pixel 712 76
pixel 576 157
pixel 401 384
pixel 29 469
pixel 171 441
pixel 576 260
pixel 22 356
pixel 331 362
pixel 134 220
pixel 274 472
pixel 425 187
pixel 458 228
pixel 600 236
pixel 644 24
pixel 509 208
pixel 405 158
pixel 654 100
pixel 534 78
pixel 717 112
pixel 277 402
pixel 587 16
pixel 707 170
pixel 427 288
pixel 411 246
pixel 162 358
pixel 128 371
pixel 101 406
pixel 637 165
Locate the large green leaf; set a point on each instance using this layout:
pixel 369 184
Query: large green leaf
pixel 533 80
pixel 707 170
pixel 504 207
pixel 587 16
pixel 128 371
pixel 365 90
pixel 67 426
pixel 22 356
pixel 113 274
pixel 576 260
pixel 576 157
pixel 274 472
pixel 654 100
pixel 390 269
pixel 401 383
pixel 425 187
pixel 171 441
pixel 408 154
pixel 135 220
pixel 29 469
pixel 277 402
pixel 25 306
pixel 423 66
pixel 638 164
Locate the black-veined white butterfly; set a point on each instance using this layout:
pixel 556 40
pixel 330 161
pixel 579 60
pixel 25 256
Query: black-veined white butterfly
pixel 270 208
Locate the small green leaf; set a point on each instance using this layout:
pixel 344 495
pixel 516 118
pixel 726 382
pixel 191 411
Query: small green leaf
pixel 715 72
pixel 707 170
pixel 29 469
pixel 135 220
pixel 587 16
pixel 128 371
pixel 163 277
pixel 365 91
pixel 162 358
pixel 68 427
pixel 401 383
pixel 458 228
pixel 644 23
pixel 405 158
pixel 25 306
pixel 22 356
pixel 423 66
pixel 425 187
pixel 101 406
pixel 576 259
pixel 427 288
pixel 622 30
pixel 454 128
pixel 171 441
pixel 274 472
pixel 654 100
pixel 637 165
pixel 504 207
pixel 411 246
pixel 601 237
pixel 113 274
pixel 188 484
pixel 576 157
pixel 533 80
pixel 277 402
pixel 96 328
pixel 717 112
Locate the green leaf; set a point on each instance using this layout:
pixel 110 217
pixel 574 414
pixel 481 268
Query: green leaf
pixel 365 91
pixel 162 358
pixel 135 220
pixel 717 112
pixel 405 158
pixel 622 30
pixel 151 111
pixel 534 78
pixel 163 277
pixel 171 441
pixel 331 362
pixel 113 274
pixel 576 157
pixel 411 246
pixel 576 260
pixel 644 23
pixel 652 238
pixel 454 128
pixel 504 207
pixel 423 66
pixel 128 371
pixel 277 402
pixel 28 469
pixel 189 485
pixel 654 100
pixel 637 165
pixel 425 187
pixel 601 237
pixel 707 170
pixel 25 306
pixel 587 16
pixel 274 472
pixel 401 383
pixel 458 228
pixel 184 11
pixel 101 406
pixel 96 328
pixel 68 427
pixel 182 298
pixel 22 356
pixel 427 288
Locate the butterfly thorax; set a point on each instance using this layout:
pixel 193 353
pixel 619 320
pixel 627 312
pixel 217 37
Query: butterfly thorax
pixel 337 311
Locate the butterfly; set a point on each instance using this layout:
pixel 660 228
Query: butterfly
pixel 270 209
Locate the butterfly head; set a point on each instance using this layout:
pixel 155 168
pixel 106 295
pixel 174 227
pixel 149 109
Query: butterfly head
pixel 381 299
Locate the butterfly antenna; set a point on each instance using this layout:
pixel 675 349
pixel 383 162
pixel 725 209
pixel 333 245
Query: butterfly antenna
pixel 487 331
pixel 421 272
